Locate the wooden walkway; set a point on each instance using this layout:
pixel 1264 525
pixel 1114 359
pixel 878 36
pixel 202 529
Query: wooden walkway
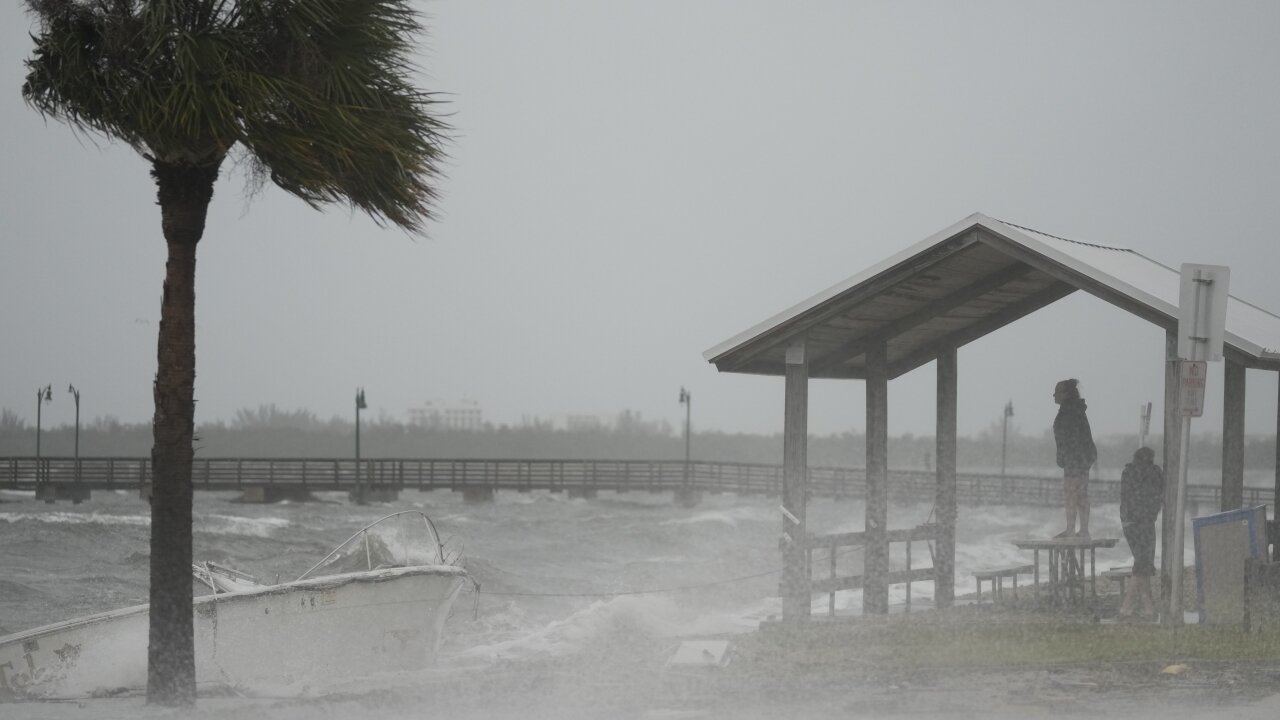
pixel 574 476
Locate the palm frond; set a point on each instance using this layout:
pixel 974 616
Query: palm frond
pixel 319 93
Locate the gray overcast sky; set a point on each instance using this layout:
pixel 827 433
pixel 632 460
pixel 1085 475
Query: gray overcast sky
pixel 632 183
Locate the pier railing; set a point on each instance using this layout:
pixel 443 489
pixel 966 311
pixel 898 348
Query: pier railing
pixel 321 474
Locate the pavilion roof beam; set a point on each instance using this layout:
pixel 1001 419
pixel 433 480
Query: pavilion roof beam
pixel 887 280
pixel 968 334
pixel 857 346
pixel 1081 281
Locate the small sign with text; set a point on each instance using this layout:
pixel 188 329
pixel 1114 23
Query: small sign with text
pixel 1191 377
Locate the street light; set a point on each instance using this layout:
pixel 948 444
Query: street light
pixel 1004 442
pixel 360 405
pixel 76 394
pixel 43 395
pixel 686 399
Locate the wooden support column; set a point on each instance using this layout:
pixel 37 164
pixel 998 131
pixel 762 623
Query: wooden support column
pixel 796 597
pixel 1233 400
pixel 1172 446
pixel 944 560
pixel 875 593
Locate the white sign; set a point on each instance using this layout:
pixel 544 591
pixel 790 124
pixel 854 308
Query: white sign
pixel 1202 311
pixel 1191 377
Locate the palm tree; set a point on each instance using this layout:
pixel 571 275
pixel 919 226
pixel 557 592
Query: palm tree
pixel 315 95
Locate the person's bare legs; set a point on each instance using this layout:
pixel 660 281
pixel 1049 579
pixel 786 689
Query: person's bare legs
pixel 1130 592
pixel 1071 519
pixel 1144 596
pixel 1071 496
pixel 1082 498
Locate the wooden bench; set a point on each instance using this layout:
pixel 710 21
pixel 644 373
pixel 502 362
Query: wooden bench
pixel 1119 574
pixel 996 577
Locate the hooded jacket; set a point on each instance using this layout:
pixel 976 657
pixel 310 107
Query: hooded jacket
pixel 1076 451
pixel 1141 492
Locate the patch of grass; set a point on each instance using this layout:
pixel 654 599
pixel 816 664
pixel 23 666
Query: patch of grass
pixel 1048 644
pixel 940 644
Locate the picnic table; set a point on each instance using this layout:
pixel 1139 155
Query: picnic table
pixel 1066 567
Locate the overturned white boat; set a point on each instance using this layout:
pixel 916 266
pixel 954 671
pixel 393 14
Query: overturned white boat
pixel 375 604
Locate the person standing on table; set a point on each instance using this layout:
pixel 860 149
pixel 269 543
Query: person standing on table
pixel 1076 454
pixel 1141 497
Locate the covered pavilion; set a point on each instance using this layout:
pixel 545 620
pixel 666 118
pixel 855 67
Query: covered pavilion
pixel 920 306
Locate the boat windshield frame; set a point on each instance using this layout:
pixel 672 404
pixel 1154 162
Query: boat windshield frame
pixel 431 528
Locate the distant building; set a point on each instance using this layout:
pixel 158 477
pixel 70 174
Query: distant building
pixel 627 421
pixel 465 414
pixel 580 422
pixel 568 422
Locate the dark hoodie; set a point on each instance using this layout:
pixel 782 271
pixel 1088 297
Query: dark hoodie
pixel 1076 451
pixel 1141 489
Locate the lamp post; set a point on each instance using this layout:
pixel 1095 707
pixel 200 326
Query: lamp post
pixel 1144 423
pixel 686 399
pixel 76 394
pixel 1004 441
pixel 43 395
pixel 360 405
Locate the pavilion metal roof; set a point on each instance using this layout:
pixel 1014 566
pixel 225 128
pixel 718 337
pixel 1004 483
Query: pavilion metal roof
pixel 968 280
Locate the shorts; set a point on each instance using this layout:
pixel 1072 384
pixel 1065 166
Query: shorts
pixel 1141 537
pixel 1076 485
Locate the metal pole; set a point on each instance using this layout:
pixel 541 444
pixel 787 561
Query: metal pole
pixel 688 416
pixel 359 482
pixel 76 395
pixel 1180 508
pixel 1144 423
pixel 43 395
pixel 686 398
pixel 1179 527
pixel 39 407
pixel 1004 440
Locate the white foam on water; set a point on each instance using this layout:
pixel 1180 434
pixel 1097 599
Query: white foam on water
pixel 650 616
pixel 237 525
pixel 730 516
pixel 73 518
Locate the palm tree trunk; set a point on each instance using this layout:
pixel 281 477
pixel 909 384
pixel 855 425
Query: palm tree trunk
pixel 184 193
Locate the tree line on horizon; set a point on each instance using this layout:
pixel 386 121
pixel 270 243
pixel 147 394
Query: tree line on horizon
pixel 271 432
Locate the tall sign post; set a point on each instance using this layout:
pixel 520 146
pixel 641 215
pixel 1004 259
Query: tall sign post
pixel 1202 321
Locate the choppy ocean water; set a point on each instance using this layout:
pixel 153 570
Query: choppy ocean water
pixel 581 601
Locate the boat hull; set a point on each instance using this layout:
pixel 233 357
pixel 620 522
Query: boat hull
pixel 301 633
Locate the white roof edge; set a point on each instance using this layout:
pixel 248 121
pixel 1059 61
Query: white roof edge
pixel 804 306
pixel 1121 286
pixel 1014 233
pixel 1022 238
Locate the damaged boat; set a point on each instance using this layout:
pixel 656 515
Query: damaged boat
pixel 377 603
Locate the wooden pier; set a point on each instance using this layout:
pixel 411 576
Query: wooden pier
pixel 267 479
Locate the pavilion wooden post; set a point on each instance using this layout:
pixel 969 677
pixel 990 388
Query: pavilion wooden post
pixel 944 559
pixel 1233 403
pixel 1172 447
pixel 875 593
pixel 796 596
